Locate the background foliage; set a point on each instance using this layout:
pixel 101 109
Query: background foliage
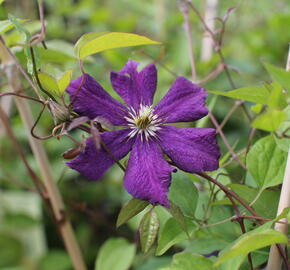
pixel 258 31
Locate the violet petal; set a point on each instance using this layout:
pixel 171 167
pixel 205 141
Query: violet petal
pixel 92 163
pixel 148 175
pixel 133 86
pixel 90 99
pixel 184 102
pixel 191 149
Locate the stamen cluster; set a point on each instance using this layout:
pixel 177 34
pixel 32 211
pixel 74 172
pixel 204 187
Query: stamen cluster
pixel 143 122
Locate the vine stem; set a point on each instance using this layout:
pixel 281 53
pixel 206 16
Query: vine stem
pixel 229 193
pixel 275 260
pixel 58 209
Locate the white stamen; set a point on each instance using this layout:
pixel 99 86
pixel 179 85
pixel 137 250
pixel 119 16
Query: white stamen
pixel 143 122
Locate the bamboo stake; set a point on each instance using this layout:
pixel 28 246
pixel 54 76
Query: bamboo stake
pixel 275 260
pixel 64 225
pixel 207 41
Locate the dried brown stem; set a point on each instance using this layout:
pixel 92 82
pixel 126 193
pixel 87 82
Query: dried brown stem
pixel 36 180
pixel 64 225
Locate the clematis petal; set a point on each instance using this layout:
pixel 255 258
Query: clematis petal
pixel 133 86
pixel 93 163
pixel 90 99
pixel 184 102
pixel 148 175
pixel 191 149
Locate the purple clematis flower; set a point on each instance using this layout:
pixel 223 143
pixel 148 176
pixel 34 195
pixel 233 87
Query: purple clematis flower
pixel 145 131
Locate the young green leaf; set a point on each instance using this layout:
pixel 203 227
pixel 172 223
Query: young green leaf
pixel 277 97
pixel 184 194
pixel 64 81
pixel 115 254
pixel 270 121
pixel 266 162
pixel 251 241
pixel 21 29
pixel 48 83
pixel 6 25
pixel 131 209
pixel 92 43
pixel 188 261
pixel 252 93
pixel 257 108
pixel 172 234
pixel 279 75
pixel 148 229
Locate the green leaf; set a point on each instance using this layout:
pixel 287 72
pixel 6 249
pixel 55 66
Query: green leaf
pixel 19 220
pixel 6 25
pixel 48 83
pixel 178 215
pixel 148 229
pixel 115 254
pixel 21 29
pixel 233 264
pixel 266 162
pixel 270 121
pixel 277 98
pixel 284 142
pixel 11 250
pixel 267 203
pixel 172 234
pixel 95 42
pixel 184 194
pixel 257 108
pixel 64 81
pixel 51 85
pixel 1 2
pixel 131 209
pixel 279 75
pixel 154 263
pixel 56 259
pixel 251 241
pixel 188 261
pixel 252 93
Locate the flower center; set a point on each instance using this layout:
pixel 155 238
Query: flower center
pixel 143 122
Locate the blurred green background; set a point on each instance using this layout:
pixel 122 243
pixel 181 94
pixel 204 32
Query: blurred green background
pixel 257 31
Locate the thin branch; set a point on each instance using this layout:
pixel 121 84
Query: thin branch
pixel 228 192
pixel 36 75
pixel 36 180
pixel 217 45
pixel 237 104
pixel 231 150
pixel 230 196
pixel 184 9
pixel 159 62
pixel 183 6
pixel 213 74
pixel 39 38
